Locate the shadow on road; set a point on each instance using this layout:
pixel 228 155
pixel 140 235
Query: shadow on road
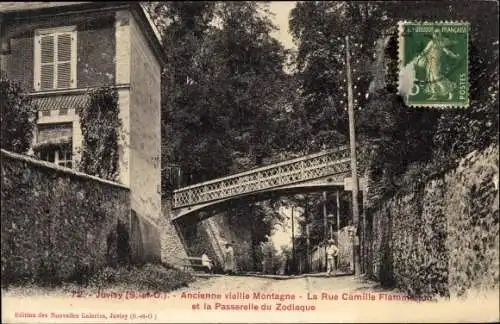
pixel 277 277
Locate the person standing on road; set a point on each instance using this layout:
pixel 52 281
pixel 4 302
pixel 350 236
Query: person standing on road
pixel 206 262
pixel 229 259
pixel 331 254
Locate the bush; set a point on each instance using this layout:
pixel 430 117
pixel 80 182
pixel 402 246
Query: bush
pixel 148 277
pixel 82 273
pixel 17 116
pixel 47 275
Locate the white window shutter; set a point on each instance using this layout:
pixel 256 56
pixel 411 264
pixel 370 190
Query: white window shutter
pixel 47 58
pixel 55 58
pixel 36 64
pixel 74 50
pixel 63 60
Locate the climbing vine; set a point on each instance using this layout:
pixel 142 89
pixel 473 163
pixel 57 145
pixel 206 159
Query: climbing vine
pixel 17 116
pixel 100 124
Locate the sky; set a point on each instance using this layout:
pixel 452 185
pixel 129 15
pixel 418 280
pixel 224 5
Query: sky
pixel 282 234
pixel 281 10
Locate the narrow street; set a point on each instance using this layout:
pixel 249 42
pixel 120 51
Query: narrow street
pixel 332 299
pixel 288 284
pixel 230 299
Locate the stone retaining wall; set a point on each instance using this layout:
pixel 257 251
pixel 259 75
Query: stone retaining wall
pixel 55 220
pixel 444 237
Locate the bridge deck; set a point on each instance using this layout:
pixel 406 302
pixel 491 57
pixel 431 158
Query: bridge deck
pixel 291 172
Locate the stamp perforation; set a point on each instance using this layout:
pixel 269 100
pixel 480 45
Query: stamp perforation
pixel 457 104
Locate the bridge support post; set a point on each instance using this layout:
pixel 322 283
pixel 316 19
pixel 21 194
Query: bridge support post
pixel 308 240
pixel 325 225
pixel 366 257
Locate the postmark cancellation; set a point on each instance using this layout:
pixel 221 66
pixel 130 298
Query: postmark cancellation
pixel 433 64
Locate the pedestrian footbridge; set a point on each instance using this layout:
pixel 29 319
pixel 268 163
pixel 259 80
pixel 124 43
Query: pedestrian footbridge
pixel 312 172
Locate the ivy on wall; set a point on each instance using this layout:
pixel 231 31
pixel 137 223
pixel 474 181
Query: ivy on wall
pixel 17 116
pixel 441 238
pixel 100 124
pixel 46 213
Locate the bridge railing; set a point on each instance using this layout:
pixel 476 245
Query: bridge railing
pixel 288 172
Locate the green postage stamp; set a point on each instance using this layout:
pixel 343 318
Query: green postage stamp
pixel 434 59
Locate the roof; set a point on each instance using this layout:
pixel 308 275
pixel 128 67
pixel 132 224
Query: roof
pixel 14 7
pixel 60 102
pixel 35 5
pixel 151 23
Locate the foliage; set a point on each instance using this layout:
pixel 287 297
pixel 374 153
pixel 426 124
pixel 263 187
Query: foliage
pixel 224 95
pixel 313 214
pixel 406 148
pixel 319 28
pixel 184 26
pixel 100 124
pixel 67 211
pixel 59 145
pixel 392 136
pixel 17 116
pixel 271 260
pixel 221 91
pixel 258 220
pixel 201 241
pixel 402 148
pixel 380 262
pixel 228 105
pixel 440 138
pixel 145 280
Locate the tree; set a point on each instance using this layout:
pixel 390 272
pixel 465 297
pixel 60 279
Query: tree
pixel 17 116
pixel 222 87
pixel 223 93
pixel 413 145
pixel 392 137
pixel 184 27
pixel 254 80
pixel 319 29
pixel 314 215
pixel 256 219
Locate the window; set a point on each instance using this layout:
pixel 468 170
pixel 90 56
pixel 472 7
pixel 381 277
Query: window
pixel 54 143
pixel 64 158
pixel 55 58
pixel 61 157
pixel 48 155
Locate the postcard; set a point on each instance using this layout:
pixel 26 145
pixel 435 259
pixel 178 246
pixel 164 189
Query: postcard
pixel 249 162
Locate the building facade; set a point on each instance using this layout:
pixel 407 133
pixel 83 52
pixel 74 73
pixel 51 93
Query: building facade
pixel 60 50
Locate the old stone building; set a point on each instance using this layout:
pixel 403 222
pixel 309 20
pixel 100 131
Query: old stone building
pixel 60 50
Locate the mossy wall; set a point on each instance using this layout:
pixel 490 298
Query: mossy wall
pixel 55 220
pixel 443 237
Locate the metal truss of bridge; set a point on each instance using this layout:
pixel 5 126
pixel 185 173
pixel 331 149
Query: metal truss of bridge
pixel 313 172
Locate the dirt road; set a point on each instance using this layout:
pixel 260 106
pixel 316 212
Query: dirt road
pixel 245 299
pixel 333 299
